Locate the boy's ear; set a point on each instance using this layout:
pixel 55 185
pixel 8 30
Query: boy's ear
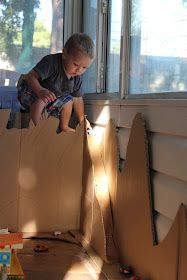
pixel 64 51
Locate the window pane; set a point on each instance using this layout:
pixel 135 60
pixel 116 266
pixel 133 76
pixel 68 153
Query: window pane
pixel 158 46
pixel 114 42
pixel 28 31
pixel 90 27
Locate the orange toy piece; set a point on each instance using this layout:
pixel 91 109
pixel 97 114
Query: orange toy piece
pixel 41 248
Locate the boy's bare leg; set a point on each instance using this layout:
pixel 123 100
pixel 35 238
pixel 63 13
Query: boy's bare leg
pixel 78 106
pixel 36 111
pixel 65 117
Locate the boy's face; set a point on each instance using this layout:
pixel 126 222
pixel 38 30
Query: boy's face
pixel 76 64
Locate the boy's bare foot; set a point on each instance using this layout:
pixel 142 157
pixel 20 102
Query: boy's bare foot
pixel 67 129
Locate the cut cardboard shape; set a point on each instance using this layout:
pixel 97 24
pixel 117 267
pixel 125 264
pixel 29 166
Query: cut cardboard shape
pixel 41 174
pixel 96 218
pixel 132 209
pixel 56 181
pixel 134 228
pixel 110 155
pixel 46 183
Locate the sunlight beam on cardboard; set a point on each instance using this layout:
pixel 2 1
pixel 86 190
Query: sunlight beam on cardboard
pixel 104 115
pixel 28 226
pixel 27 178
pixel 77 267
pixel 101 186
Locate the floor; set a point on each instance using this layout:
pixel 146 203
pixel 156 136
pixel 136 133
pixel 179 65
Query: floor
pixel 63 260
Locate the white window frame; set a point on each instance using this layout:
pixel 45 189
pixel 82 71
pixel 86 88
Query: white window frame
pixel 125 63
pixel 73 23
pixel 72 17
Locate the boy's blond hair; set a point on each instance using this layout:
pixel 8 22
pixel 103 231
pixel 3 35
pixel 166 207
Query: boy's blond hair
pixel 80 42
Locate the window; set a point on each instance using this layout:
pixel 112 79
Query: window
pixel 158 46
pixel 102 21
pixel 149 55
pixel 141 45
pixel 28 31
pixel 90 10
pixel 114 46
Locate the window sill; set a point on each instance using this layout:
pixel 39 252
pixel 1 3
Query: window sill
pixel 115 100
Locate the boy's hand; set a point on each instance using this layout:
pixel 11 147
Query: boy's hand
pixel 46 95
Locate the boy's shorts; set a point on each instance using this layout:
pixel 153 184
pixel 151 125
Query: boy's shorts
pixel 27 97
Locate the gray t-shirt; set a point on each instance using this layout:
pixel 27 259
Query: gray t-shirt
pixel 53 77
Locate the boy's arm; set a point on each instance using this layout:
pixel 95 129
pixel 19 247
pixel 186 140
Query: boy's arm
pixel 32 79
pixel 78 106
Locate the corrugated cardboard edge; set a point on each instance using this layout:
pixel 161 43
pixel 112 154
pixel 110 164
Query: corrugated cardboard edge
pixel 96 215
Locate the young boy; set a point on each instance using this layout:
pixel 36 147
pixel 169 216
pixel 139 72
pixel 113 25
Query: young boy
pixel 54 85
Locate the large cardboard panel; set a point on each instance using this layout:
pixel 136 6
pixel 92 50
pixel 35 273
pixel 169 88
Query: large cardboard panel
pixel 41 174
pixel 50 178
pixel 134 228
